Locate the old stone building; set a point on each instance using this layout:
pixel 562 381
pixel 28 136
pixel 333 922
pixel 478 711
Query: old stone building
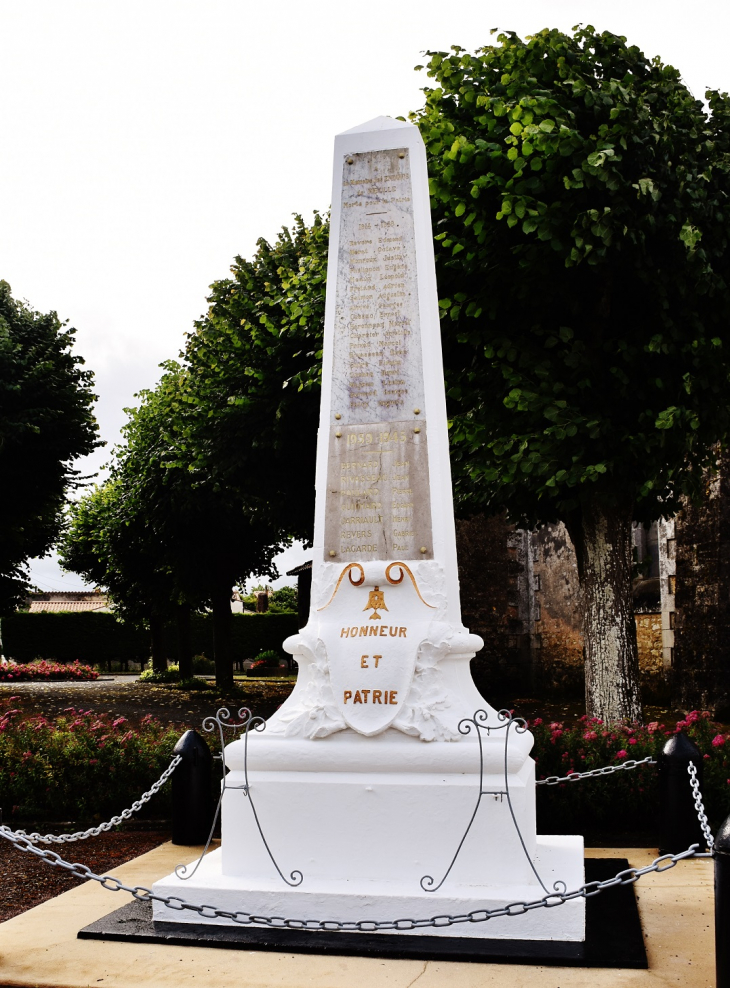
pixel 493 581
pixel 520 592
pixel 700 635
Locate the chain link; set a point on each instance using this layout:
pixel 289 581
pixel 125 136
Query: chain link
pixel 699 806
pixel 115 820
pixel 553 780
pixel 626 877
pixel 26 843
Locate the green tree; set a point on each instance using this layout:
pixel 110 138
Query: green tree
pixel 255 364
pixel 165 534
pixel 46 422
pixel 580 197
pixel 286 598
pixel 107 542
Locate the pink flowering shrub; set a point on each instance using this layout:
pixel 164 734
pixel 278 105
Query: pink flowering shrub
pixel 80 765
pixel 627 800
pixel 43 669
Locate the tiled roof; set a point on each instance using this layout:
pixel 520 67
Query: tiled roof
pixel 300 569
pixel 59 606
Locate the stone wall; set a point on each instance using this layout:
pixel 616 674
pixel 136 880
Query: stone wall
pixel 701 671
pixel 651 663
pixel 557 614
pixel 492 569
pixel 520 592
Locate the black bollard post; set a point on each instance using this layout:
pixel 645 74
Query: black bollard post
pixel 721 855
pixel 192 803
pixel 678 825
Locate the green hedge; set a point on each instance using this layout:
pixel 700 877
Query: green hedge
pixel 90 638
pixel 250 634
pixel 100 638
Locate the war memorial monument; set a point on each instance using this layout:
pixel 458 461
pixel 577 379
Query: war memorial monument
pixel 385 786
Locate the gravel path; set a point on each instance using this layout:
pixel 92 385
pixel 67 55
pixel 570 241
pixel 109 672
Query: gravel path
pixel 26 882
pixel 127 697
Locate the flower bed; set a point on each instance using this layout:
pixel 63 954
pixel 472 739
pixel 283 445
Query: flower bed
pixel 624 801
pixel 80 765
pixel 43 669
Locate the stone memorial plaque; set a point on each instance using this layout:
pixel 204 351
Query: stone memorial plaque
pixel 378 503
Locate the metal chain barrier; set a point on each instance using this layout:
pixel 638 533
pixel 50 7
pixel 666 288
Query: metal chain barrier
pixel 27 843
pixel 102 827
pixel 700 806
pixel 626 877
pixel 553 780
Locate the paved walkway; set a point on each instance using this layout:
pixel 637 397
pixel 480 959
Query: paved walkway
pixel 104 678
pixel 39 948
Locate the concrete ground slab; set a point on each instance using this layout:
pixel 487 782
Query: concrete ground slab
pixel 39 948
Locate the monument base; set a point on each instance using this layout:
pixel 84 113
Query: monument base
pixel 614 936
pixel 559 858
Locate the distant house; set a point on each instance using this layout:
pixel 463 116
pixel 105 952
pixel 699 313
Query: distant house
pixel 63 602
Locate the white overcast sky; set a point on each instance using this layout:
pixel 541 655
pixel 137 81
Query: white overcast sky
pixel 145 144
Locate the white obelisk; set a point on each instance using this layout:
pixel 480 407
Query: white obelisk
pixel 363 780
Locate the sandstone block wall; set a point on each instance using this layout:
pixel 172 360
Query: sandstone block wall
pixel 701 669
pixel 520 592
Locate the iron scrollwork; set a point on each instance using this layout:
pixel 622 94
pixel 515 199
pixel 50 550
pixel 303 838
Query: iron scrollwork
pixel 479 722
pixel 246 723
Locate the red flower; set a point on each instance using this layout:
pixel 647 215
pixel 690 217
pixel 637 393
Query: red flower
pixel 622 754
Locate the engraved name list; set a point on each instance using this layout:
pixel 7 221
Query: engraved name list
pixel 378 502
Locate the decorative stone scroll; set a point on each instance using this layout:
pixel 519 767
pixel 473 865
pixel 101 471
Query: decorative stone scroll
pixel 375 630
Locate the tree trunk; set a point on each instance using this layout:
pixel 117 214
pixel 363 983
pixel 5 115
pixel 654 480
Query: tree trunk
pixel 184 644
pixel 159 659
pixel 605 554
pixel 222 616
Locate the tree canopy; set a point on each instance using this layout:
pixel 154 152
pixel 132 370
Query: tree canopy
pixel 216 471
pixel 255 365
pixel 46 422
pixel 580 196
pixel 163 533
